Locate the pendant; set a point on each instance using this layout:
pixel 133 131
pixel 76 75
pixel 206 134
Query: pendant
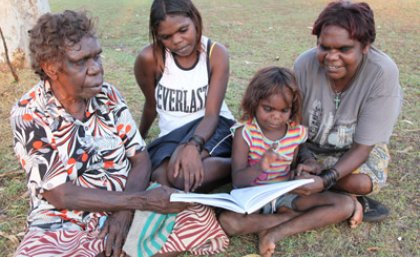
pixel 337 100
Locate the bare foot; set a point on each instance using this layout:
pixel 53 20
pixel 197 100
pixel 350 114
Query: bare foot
pixel 266 244
pixel 357 217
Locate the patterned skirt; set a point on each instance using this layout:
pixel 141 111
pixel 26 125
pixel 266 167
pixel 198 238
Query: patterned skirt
pixel 376 166
pixel 84 243
pixel 195 229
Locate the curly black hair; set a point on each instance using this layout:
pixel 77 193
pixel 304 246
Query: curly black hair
pixel 54 33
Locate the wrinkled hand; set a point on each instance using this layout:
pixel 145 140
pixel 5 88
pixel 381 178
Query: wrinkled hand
pixel 116 228
pixel 315 187
pixel 158 200
pixel 186 163
pixel 310 166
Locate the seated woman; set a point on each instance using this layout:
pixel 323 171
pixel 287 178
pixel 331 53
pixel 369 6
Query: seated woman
pixel 351 101
pixel 183 76
pixel 84 157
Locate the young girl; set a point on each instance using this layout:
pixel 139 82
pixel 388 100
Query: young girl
pixel 184 76
pixel 264 149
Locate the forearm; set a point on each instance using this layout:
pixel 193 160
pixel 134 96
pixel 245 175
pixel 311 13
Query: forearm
pixel 72 197
pixel 352 159
pixel 207 126
pixel 246 177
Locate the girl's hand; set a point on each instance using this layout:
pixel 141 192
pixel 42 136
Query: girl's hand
pixel 310 166
pixel 187 165
pixel 268 158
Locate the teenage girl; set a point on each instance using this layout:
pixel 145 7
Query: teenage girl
pixel 183 76
pixel 264 149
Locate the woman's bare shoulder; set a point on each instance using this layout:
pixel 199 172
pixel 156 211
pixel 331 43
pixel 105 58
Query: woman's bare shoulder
pixel 145 56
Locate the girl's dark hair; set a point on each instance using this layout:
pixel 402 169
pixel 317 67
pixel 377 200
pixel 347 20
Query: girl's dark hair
pixel 268 81
pixel 53 34
pixel 158 12
pixel 356 18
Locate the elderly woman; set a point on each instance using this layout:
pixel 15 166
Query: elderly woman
pixel 84 157
pixel 351 102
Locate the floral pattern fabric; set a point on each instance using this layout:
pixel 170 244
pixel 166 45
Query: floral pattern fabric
pixel 55 148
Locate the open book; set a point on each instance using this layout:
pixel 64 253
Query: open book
pixel 243 200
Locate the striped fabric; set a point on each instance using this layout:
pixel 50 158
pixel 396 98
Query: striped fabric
pixel 62 243
pixel 196 230
pixel 148 233
pixel 284 147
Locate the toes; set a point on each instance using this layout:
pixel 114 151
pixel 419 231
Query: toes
pixel 357 217
pixel 266 248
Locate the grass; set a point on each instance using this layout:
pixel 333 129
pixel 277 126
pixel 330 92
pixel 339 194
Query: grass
pixel 257 34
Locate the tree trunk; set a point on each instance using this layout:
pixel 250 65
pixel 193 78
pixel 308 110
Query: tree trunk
pixel 16 18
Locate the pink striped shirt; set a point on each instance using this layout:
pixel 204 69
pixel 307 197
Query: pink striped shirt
pixel 285 148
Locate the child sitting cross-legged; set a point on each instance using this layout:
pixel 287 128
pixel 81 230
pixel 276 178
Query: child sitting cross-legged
pixel 264 149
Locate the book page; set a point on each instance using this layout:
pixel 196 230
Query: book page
pixel 221 200
pixel 255 197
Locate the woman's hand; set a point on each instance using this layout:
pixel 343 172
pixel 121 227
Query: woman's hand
pixel 158 200
pixel 310 166
pixel 315 187
pixel 116 229
pixel 186 164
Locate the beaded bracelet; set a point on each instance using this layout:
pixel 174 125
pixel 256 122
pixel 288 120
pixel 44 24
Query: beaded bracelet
pixel 199 142
pixel 329 178
pixel 337 175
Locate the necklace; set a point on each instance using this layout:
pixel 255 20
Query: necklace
pixel 337 94
pixel 337 99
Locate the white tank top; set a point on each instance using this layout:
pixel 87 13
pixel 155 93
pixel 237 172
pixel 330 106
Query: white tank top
pixel 181 94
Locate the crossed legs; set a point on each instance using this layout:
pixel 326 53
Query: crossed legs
pixel 310 212
pixel 355 184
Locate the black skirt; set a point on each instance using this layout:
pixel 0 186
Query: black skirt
pixel 218 145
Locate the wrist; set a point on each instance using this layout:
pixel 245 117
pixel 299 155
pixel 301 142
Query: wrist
pixel 309 161
pixel 197 141
pixel 127 213
pixel 194 145
pixel 329 178
pixel 139 201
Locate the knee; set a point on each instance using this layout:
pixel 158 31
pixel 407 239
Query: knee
pixel 343 204
pixel 364 185
pixel 360 184
pixel 164 177
pixel 155 176
pixel 173 181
